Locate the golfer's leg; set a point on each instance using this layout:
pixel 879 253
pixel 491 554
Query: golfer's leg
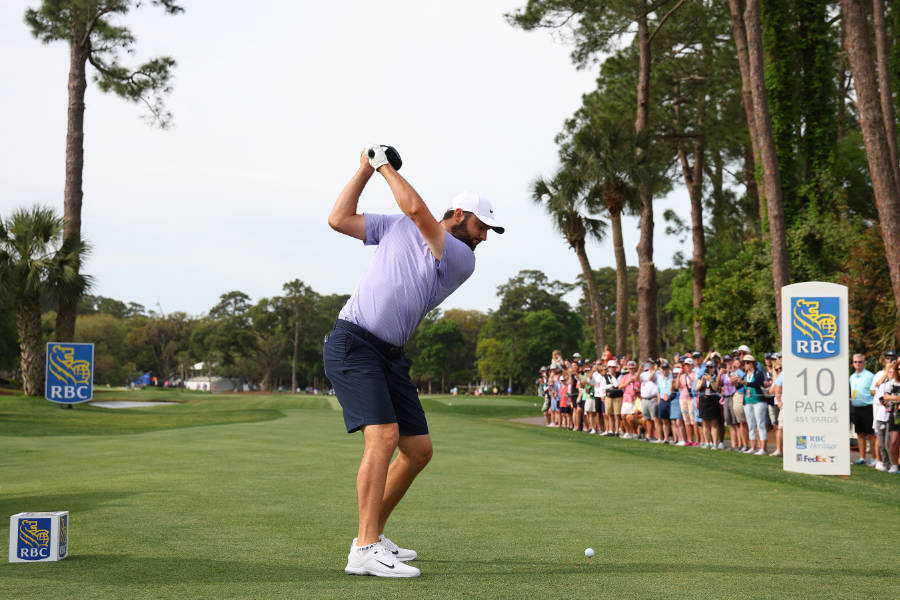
pixel 381 441
pixel 415 452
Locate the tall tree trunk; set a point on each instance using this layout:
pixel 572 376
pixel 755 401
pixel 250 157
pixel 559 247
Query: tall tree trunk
pixel 78 55
pixel 693 183
pixel 296 349
pixel 593 294
pixel 693 180
pixel 766 144
pixel 646 284
pixel 878 154
pixel 739 33
pixel 888 114
pixel 615 218
pixel 757 218
pixel 31 345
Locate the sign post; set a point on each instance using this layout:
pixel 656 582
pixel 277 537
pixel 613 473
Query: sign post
pixel 70 373
pixel 815 372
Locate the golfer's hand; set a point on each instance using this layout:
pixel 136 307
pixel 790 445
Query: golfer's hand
pixel 364 165
pixel 377 157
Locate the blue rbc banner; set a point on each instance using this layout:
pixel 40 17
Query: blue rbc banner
pixel 815 327
pixel 70 372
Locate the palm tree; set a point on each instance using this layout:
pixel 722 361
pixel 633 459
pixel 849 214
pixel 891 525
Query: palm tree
pixel 564 199
pixel 606 151
pixel 34 260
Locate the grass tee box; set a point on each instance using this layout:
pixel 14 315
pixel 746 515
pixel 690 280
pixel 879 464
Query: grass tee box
pixel 38 536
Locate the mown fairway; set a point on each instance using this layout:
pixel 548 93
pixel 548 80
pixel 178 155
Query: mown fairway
pixel 253 497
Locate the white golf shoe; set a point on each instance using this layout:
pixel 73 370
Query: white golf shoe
pixel 378 561
pixel 404 554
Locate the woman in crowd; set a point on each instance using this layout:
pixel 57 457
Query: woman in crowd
pixel 628 384
pixel 565 406
pixel 556 415
pixel 708 395
pixel 728 390
pixel 777 388
pixel 737 405
pixel 754 407
pixel 888 431
pixel 686 400
pixel 675 407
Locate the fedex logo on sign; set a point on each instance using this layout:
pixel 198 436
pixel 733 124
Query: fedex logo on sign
pixel 815 331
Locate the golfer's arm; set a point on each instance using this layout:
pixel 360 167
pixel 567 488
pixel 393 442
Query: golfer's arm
pixel 343 217
pixel 415 208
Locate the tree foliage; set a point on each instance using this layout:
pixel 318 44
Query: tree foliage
pixel 90 26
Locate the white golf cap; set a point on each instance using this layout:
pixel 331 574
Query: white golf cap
pixel 479 206
pixel 743 348
pixel 612 363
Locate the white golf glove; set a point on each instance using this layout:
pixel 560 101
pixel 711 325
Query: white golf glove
pixel 377 157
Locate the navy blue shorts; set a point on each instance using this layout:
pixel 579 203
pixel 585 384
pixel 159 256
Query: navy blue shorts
pixel 371 379
pixel 665 409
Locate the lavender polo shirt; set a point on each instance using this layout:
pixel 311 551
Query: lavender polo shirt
pixel 404 281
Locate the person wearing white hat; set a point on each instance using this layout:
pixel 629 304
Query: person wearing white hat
pixel 471 204
pixel 419 262
pixel 613 398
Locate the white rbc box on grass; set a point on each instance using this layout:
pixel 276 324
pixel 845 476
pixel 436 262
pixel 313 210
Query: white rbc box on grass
pixel 39 536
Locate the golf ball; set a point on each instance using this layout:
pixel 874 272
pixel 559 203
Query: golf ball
pixel 589 552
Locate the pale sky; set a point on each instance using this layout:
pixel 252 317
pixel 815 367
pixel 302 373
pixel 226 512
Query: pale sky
pixel 272 102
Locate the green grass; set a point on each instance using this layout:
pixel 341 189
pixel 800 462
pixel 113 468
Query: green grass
pixel 253 497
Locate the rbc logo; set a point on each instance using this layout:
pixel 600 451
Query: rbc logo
pixel 34 539
pixel 801 442
pixel 814 327
pixel 69 372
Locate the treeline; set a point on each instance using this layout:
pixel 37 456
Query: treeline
pixel 773 119
pixel 277 342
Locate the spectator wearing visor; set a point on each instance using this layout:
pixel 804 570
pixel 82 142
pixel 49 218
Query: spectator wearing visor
pixel 754 406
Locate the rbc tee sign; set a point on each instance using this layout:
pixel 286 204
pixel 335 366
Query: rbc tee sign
pixel 815 376
pixel 70 372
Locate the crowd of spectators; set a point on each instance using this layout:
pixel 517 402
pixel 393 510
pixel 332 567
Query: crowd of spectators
pixel 695 400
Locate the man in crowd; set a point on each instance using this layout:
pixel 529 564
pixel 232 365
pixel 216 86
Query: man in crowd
pixel 861 414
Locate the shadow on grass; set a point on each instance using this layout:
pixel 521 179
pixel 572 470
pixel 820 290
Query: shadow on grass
pixel 627 569
pixel 117 569
pixel 74 503
pixel 114 569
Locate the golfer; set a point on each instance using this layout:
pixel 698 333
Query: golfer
pixel 419 262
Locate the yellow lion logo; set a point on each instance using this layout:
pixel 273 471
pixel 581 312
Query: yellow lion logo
pixel 65 368
pixel 813 324
pixel 31 535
